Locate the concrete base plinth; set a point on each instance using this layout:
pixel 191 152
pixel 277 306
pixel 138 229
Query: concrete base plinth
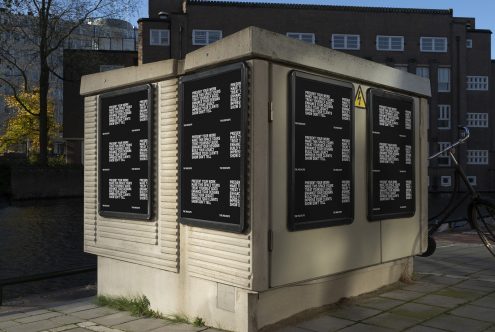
pixel 236 309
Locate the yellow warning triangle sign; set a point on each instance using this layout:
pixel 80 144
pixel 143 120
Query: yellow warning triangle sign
pixel 360 101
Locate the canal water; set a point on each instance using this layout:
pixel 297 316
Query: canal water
pixel 40 236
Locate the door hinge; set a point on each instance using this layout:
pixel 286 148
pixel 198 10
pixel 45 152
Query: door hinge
pixel 270 111
pixel 270 240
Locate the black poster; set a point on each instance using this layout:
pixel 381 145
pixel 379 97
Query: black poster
pixel 212 148
pixel 391 185
pixel 320 152
pixel 124 153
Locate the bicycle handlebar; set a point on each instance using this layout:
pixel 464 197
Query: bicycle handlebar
pixel 463 138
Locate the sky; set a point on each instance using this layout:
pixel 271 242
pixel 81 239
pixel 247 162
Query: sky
pixel 482 10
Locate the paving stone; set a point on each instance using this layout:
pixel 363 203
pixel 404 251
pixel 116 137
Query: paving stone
pixel 365 328
pixel 403 295
pixel 284 329
pixel 443 280
pixel 441 301
pixel 74 304
pixel 424 287
pixel 179 328
pixel 143 324
pixel 86 324
pixel 8 323
pixel 461 293
pixel 456 324
pixel 75 307
pixel 100 328
pixel 479 285
pixel 421 328
pixel 417 311
pixel 65 319
pixel 64 328
pixel 115 319
pixel 476 312
pixel 37 318
pixel 354 313
pixel 79 329
pixel 325 324
pixel 381 303
pixel 12 316
pixel 94 313
pixel 393 321
pixel 33 327
pixel 487 301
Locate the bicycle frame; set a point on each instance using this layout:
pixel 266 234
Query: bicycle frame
pixel 433 227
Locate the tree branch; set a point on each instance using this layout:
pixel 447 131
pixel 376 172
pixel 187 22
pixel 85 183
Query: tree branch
pixel 16 96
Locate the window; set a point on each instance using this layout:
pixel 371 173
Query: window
pixel 445 181
pixel 433 44
pixel 443 117
pixel 58 148
pixel 205 37
pixel 128 44
pixel 159 37
pixel 479 120
pixel 443 159
pixel 472 180
pixel 345 42
pixel 401 67
pixel 477 157
pixel 423 71
pixel 304 36
pixel 469 44
pixel 443 79
pixel 103 43
pixel 479 83
pixel 389 43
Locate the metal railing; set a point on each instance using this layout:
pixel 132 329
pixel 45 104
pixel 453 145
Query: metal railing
pixel 42 276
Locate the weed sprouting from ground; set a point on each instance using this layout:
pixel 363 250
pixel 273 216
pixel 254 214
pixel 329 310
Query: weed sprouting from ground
pixel 140 306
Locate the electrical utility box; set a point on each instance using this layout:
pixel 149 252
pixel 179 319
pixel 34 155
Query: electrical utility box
pixel 257 178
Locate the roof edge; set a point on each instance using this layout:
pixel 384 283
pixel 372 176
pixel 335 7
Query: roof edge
pixel 320 7
pixel 481 31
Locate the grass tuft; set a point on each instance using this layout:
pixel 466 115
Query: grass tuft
pixel 140 306
pixel 137 306
pixel 198 322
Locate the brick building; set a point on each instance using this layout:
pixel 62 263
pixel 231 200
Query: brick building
pixel 449 50
pixel 79 62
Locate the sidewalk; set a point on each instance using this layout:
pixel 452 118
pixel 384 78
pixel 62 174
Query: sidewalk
pixel 454 290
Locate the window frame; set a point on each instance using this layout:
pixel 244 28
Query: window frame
pixel 444 156
pixel 298 36
pixel 433 40
pixel 346 42
pixel 449 71
pixel 477 83
pixel 427 68
pixel 477 157
pixel 449 182
pixel 207 36
pixel 444 114
pixel 389 42
pixel 477 119
pixel 160 31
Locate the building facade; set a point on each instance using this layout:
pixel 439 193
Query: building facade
pixel 451 51
pixel 96 38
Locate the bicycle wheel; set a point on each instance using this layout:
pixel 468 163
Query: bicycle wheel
pixel 482 218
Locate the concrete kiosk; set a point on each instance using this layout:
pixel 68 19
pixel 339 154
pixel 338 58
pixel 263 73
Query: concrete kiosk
pixel 257 178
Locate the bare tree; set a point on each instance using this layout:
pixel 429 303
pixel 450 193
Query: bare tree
pixel 32 35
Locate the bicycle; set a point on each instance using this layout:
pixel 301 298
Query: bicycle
pixel 480 212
